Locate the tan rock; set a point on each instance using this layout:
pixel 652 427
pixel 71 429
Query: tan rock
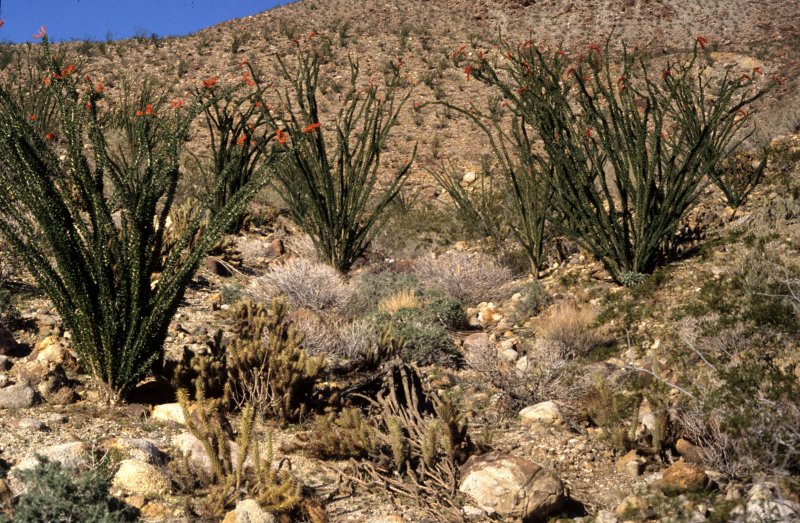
pixel 691 453
pixel 511 486
pixel 683 477
pixel 169 413
pixel 138 477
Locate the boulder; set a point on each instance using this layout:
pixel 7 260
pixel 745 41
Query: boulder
pixel 544 413
pixel 510 486
pixel 72 455
pixel 682 477
pixel 249 511
pixel 19 396
pixel 194 451
pixel 139 477
pixel 689 452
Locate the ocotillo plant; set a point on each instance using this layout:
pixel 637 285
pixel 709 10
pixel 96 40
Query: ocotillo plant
pixel 235 125
pixel 525 180
pixel 624 164
pixel 332 184
pixel 87 218
pixel 736 176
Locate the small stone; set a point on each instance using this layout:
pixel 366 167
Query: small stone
pixel 17 396
pixel 8 345
pixel 169 413
pixel 63 396
pixel 545 413
pixel 683 477
pixel 249 511
pixel 138 477
pixel 32 425
pixel 140 449
pixel 691 453
pixel 630 464
pixel 509 355
pixel 469 177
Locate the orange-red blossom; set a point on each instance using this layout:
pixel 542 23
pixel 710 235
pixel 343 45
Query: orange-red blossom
pixel 311 127
pixel 42 33
pixel 280 136
pixel 209 83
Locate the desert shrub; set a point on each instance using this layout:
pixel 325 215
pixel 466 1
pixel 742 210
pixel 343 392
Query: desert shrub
pixel 425 340
pixel 411 446
pixel 267 365
pixel 447 311
pixel 740 407
pixel 469 278
pixel 330 184
pixel 625 152
pixel 737 175
pixel 85 209
pixel 305 284
pixel 54 495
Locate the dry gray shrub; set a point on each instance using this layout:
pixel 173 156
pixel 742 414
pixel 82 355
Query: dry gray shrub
pixel 305 284
pixel 571 329
pixel 470 278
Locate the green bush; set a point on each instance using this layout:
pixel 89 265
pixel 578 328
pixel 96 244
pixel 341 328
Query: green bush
pixel 626 152
pixel 85 207
pixel 330 184
pixel 373 287
pixel 447 311
pixel 53 495
pixel 425 340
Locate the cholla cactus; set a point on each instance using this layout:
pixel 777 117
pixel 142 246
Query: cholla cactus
pixel 87 217
pixel 267 366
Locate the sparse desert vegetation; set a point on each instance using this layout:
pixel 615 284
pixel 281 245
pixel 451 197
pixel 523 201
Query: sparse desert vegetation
pixel 420 261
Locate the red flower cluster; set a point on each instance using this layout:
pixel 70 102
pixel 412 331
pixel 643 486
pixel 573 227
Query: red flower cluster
pixel 148 111
pixel 468 71
pixel 2 23
pixel 703 41
pixel 49 136
pixel 247 79
pixel 42 33
pixel 281 136
pixel 176 104
pixel 458 52
pixel 311 128
pixel 209 83
pixel 241 140
pixel 33 117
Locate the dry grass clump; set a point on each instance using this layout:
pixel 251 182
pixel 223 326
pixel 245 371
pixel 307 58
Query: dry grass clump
pixel 402 299
pixel 305 284
pixel 569 330
pixel 469 278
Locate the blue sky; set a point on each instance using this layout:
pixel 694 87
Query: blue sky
pixel 81 19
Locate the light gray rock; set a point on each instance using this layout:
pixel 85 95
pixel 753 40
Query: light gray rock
pixel 17 396
pixel 510 486
pixel 32 425
pixel 248 511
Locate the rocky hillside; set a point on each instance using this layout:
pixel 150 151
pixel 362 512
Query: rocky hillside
pixel 438 380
